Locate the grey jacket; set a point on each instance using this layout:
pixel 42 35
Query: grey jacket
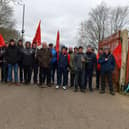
pixel 79 61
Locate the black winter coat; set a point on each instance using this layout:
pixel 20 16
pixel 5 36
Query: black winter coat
pixel 12 55
pixel 20 48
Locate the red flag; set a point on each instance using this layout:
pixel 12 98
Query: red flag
pixel 117 55
pixel 37 37
pixel 58 45
pixel 2 43
pixel 58 42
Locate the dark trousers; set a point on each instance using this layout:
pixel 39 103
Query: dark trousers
pixel 97 79
pixel 4 72
pixel 44 74
pixel 21 72
pixel 62 73
pixel 53 70
pixel 88 78
pixel 35 76
pixel 107 75
pixel 27 74
pixel 72 79
pixel 67 76
pixel 80 79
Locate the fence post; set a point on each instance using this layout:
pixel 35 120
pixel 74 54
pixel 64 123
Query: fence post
pixel 124 36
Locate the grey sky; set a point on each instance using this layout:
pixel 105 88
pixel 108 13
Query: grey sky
pixel 64 15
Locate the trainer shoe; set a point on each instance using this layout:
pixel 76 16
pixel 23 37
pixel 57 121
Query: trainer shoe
pixel 57 87
pixel 64 87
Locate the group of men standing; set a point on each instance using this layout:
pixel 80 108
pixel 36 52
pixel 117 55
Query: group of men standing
pixel 50 67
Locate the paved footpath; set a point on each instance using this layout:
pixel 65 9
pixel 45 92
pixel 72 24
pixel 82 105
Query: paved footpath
pixel 28 107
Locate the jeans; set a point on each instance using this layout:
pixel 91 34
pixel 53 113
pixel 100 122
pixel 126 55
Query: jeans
pixel 107 75
pixel 62 72
pixel 88 78
pixel 80 79
pixel 15 67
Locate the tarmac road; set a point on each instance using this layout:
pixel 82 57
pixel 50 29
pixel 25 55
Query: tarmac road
pixel 28 107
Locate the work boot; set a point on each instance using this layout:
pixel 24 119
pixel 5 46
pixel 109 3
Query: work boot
pixel 102 92
pixel 40 84
pixel 91 90
pixel 75 90
pixel 71 86
pixel 49 85
pixel 112 93
pixel 17 84
pixel 83 91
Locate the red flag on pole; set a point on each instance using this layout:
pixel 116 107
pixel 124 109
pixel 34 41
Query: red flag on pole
pixel 117 55
pixel 37 37
pixel 58 42
pixel 2 42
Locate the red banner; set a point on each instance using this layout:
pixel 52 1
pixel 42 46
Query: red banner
pixel 2 42
pixel 117 55
pixel 37 37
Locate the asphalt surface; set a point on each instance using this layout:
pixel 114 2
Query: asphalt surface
pixel 30 107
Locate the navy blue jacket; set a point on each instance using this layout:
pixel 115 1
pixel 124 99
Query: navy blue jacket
pixel 107 66
pixel 63 61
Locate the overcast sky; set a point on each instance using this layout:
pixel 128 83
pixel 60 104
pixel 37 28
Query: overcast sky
pixel 64 15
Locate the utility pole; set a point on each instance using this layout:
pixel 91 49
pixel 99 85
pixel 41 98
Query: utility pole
pixel 23 20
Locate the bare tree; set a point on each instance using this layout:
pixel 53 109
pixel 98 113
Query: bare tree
pixel 119 18
pixel 82 35
pixel 6 13
pixel 8 1
pixel 95 27
pixel 6 19
pixel 103 21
